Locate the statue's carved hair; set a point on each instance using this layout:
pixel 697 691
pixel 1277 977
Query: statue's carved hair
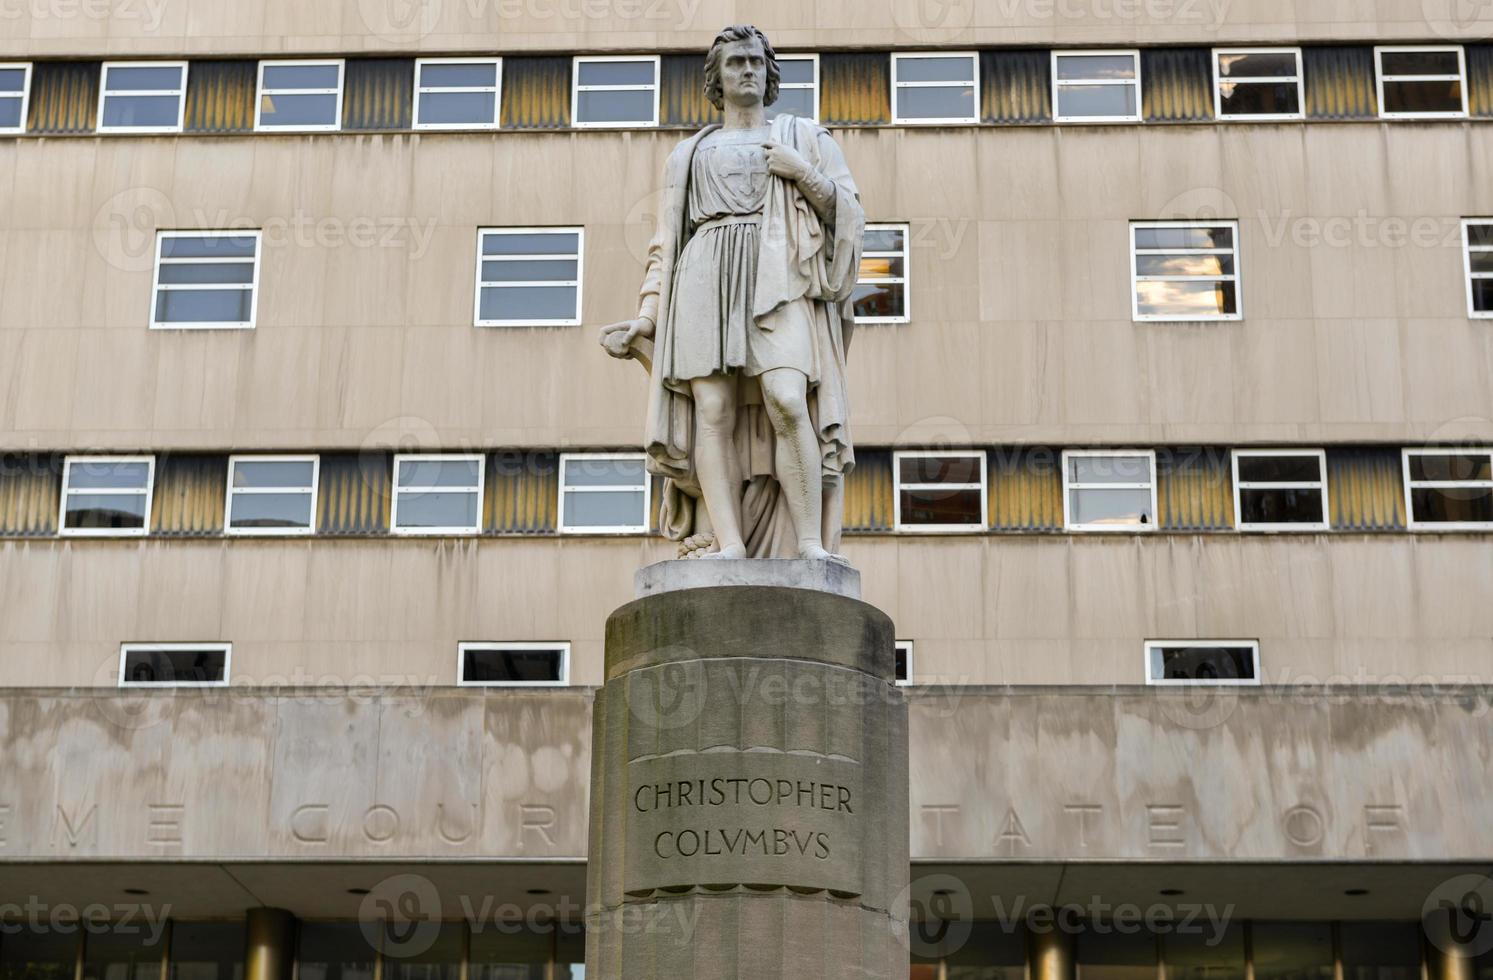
pixel 739 32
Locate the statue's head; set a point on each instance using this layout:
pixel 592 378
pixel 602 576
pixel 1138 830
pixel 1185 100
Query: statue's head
pixel 741 68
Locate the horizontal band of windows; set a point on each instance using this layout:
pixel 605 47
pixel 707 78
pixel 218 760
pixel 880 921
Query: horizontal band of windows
pixel 526 92
pixel 978 490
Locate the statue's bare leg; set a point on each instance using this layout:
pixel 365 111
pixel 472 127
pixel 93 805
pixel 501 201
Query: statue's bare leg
pixel 785 393
pixel 833 511
pixel 716 466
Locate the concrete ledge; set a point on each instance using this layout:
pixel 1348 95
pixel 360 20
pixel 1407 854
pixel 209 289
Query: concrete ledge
pixel 697 573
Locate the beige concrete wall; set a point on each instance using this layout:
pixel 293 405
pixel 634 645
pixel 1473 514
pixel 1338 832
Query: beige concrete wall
pixel 980 610
pixel 1354 291
pixel 117 27
pixel 1042 776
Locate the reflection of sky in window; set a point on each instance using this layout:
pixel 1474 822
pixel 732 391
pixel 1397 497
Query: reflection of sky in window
pixel 1184 298
pixel 1119 67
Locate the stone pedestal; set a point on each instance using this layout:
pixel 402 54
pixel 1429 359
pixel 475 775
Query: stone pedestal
pixel 748 780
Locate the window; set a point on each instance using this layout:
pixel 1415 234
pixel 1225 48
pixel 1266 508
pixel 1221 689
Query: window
pixel 1449 489
pixel 458 93
pixel 15 93
pixel 1096 86
pixel 1107 490
pixel 1222 662
pixel 299 96
pixel 436 494
pixel 1257 83
pixel 529 277
pixel 938 490
pixel 1280 490
pixel 142 97
pixel 1185 270
pixel 798 86
pixel 1421 82
pixel 106 496
pixel 604 493
pixel 935 88
pixel 206 950
pixel 881 288
pixel 271 494
pixel 205 280
pixel 513 664
pixel 903 656
pixel 615 91
pixel 174 664
pixel 1478 242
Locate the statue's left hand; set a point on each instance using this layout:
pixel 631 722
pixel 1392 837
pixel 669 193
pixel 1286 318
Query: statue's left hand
pixel 785 161
pixel 618 338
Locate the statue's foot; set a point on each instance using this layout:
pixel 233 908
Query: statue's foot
pixel 730 551
pixel 817 552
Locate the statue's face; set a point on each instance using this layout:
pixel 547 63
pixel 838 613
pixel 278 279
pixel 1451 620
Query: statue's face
pixel 743 72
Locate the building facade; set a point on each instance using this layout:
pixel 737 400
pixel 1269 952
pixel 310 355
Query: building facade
pixel 1173 407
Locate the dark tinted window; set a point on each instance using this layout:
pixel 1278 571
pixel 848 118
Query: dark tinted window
pixel 175 666
pixel 334 951
pixel 1201 663
pixel 496 665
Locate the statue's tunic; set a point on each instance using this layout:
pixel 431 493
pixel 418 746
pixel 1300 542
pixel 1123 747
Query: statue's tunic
pixel 729 291
pixel 711 306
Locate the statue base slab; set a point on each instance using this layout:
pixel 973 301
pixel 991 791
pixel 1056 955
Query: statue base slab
pixel 749 798
pixel 836 578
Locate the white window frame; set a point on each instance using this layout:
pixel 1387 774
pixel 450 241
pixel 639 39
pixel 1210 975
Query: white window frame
pixel 972 119
pixel 560 647
pixel 1069 486
pixel 578 283
pixel 614 488
pixel 1057 85
pixel 812 58
pixel 905 280
pixel 269 532
pixel 576 88
pixel 399 491
pixel 1237 277
pixel 906 647
pixel 1414 525
pixel 1380 78
pixel 1151 681
pixel 1467 249
pixel 260 92
pixel 496 89
pixel 898 486
pixel 25 69
pixel 1320 455
pixel 157 286
pixel 1299 79
pixel 106 532
pixel 125 649
pixel 104 95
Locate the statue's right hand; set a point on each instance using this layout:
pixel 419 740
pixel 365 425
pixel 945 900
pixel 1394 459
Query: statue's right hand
pixel 617 337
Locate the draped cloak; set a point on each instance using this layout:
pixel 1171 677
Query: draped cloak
pixel 799 257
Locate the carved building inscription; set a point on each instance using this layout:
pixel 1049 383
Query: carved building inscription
pixel 730 817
